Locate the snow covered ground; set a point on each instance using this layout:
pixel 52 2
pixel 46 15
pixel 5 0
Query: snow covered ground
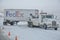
pixel 26 33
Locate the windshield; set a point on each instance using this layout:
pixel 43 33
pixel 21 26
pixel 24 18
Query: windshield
pixel 49 16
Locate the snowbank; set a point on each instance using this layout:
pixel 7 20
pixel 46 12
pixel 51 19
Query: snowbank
pixel 22 23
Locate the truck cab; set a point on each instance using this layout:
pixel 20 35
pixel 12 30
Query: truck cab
pixel 45 21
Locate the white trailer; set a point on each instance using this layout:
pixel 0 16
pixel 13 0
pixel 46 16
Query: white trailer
pixel 12 16
pixel 44 20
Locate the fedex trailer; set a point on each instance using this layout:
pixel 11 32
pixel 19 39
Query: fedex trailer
pixel 12 16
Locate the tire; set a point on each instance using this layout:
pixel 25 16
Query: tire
pixel 4 23
pixel 12 23
pixel 30 24
pixel 55 28
pixel 45 26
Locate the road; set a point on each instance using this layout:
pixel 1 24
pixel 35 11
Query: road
pixel 26 33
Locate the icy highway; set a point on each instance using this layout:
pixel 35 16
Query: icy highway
pixel 26 33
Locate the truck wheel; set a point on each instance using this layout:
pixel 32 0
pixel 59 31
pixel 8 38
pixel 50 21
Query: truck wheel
pixel 4 23
pixel 12 23
pixel 55 28
pixel 29 24
pixel 45 26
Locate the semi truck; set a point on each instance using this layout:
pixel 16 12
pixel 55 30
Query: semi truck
pixel 44 20
pixel 13 16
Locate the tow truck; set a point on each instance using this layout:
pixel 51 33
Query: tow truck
pixel 43 20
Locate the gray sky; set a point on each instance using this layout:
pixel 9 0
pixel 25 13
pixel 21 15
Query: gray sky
pixel 50 6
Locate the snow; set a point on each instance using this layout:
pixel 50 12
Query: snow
pixel 22 23
pixel 26 33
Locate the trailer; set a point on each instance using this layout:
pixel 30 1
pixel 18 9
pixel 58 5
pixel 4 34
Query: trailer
pixel 13 16
pixel 44 20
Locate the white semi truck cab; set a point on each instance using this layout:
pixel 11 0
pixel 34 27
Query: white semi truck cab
pixel 44 21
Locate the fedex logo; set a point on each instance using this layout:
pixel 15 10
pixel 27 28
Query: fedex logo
pixel 13 14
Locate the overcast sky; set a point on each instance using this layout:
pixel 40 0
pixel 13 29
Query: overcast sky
pixel 50 6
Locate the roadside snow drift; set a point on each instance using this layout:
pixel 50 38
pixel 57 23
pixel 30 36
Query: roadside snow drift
pixel 22 23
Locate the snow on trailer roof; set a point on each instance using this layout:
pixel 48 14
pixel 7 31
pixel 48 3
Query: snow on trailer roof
pixel 23 9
